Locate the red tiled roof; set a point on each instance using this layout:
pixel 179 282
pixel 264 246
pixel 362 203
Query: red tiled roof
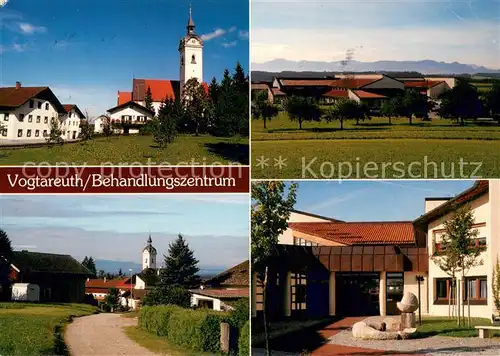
pixel 15 97
pixel 421 83
pixel 96 290
pixel 222 293
pixel 68 107
pixel 259 86
pixel 124 97
pixel 337 93
pixel 352 83
pixel 238 275
pixel 306 82
pixel 367 95
pixel 100 283
pixel 360 233
pixel 160 89
pixel 276 91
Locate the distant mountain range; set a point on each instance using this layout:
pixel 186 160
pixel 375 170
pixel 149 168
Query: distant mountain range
pixel 424 67
pixel 113 267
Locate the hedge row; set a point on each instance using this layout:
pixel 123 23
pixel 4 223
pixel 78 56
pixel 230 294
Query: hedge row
pixel 197 330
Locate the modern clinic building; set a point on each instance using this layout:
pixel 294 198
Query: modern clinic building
pixel 324 266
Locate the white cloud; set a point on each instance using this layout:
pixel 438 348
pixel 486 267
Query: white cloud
pixel 229 44
pixel 3 3
pixel 96 100
pixel 232 29
pixel 211 35
pixel 30 29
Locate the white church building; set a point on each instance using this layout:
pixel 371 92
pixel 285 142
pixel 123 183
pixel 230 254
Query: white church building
pixel 131 105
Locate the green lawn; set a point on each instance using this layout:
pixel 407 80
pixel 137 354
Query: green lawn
pixel 36 329
pixel 157 344
pixel 130 150
pixel 448 327
pixel 375 149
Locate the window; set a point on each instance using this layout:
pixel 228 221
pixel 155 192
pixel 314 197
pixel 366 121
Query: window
pixel 38 119
pixel 299 291
pixel 37 133
pixel 28 133
pixel 44 133
pixel 32 104
pixel 46 106
pixel 4 132
pixel 193 59
pixel 476 288
pixel 6 116
pixel 20 133
pixel 21 117
pixel 442 290
pixel 39 104
pixel 46 120
pixel 30 118
pixel 70 115
pixel 303 242
pixel 52 119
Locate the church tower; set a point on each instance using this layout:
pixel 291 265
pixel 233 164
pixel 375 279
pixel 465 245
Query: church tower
pixel 149 255
pixel 191 55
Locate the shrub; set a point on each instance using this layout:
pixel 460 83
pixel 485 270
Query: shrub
pixel 155 319
pixel 147 129
pixel 240 314
pixel 196 330
pixel 169 295
pixel 244 340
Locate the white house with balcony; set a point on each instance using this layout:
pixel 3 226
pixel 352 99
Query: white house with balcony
pixel 130 116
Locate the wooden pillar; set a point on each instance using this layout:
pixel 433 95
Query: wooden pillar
pixel 382 293
pixel 225 332
pixel 332 289
pixel 287 295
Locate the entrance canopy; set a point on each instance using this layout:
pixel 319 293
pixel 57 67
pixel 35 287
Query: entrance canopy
pixel 367 258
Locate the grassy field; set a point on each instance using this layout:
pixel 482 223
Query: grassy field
pixel 36 329
pixel 124 150
pixel 157 344
pixel 375 149
pixel 448 327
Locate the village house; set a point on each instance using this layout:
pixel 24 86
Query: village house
pixel 369 89
pixel 26 114
pixel 340 268
pixel 47 277
pixel 131 105
pixel 220 291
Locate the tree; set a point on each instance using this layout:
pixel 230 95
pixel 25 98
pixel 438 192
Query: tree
pixel 343 109
pixel 302 109
pixel 413 104
pixel 89 263
pixel 493 100
pixel 263 108
pixel 181 267
pixel 270 212
pixel 390 108
pixel 462 232
pixel 165 124
pixel 55 132
pixel 148 100
pixel 107 127
pixel 112 299
pixel 496 286
pixel 213 90
pixel 461 102
pixel 5 245
pixel 162 295
pixel 87 129
pixel 196 104
pixel 120 273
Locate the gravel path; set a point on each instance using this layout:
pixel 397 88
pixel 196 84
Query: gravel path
pixel 102 335
pixel 435 345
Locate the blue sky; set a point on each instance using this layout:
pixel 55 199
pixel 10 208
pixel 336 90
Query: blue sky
pixel 373 200
pixel 88 50
pixel 466 31
pixel 117 227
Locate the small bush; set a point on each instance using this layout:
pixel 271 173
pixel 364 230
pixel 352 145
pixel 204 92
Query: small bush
pixel 240 313
pixel 244 340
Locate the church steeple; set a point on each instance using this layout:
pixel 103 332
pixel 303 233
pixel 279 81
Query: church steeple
pixel 149 255
pixel 190 26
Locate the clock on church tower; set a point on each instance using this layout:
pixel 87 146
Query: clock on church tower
pixel 191 55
